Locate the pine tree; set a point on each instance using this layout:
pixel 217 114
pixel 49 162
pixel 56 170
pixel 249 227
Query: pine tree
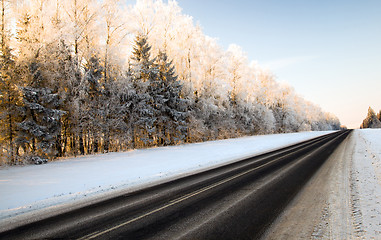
pixel 144 74
pixel 41 116
pixel 41 125
pixel 90 99
pixel 63 77
pixel 173 112
pixel 109 111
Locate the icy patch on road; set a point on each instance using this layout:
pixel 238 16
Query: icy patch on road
pixel 366 184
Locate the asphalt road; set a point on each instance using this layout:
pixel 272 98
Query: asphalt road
pixel 235 201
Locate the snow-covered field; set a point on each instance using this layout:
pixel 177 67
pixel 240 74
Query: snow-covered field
pixel 27 189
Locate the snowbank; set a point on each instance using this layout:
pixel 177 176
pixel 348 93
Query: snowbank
pixel 29 188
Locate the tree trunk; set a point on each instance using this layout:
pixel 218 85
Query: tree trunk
pixel 11 144
pixel 59 145
pixel 106 140
pixel 81 147
pixel 95 144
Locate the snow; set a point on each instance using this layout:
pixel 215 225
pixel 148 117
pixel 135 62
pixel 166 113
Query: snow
pixel 366 183
pixel 28 189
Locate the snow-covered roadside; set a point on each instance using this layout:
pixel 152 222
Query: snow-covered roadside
pixel 30 188
pixel 366 183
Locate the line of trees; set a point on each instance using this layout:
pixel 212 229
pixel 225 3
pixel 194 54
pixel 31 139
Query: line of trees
pixel 88 76
pixel 372 120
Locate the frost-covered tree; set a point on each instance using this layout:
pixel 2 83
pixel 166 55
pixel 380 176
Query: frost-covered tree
pixel 238 71
pixel 82 17
pixel 143 73
pixel 371 120
pixel 172 108
pixel 88 101
pixel 44 72
pixel 9 92
pixel 41 121
pixel 181 87
pixel 9 101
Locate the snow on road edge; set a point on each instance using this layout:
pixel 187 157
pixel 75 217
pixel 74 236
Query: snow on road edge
pixel 366 184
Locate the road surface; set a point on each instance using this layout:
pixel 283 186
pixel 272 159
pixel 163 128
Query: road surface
pixel 236 201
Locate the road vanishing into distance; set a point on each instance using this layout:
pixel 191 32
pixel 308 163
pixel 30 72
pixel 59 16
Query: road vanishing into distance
pixel 236 201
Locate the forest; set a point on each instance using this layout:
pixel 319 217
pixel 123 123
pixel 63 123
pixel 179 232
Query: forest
pixel 89 76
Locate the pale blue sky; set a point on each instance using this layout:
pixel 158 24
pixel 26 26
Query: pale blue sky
pixel 328 50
